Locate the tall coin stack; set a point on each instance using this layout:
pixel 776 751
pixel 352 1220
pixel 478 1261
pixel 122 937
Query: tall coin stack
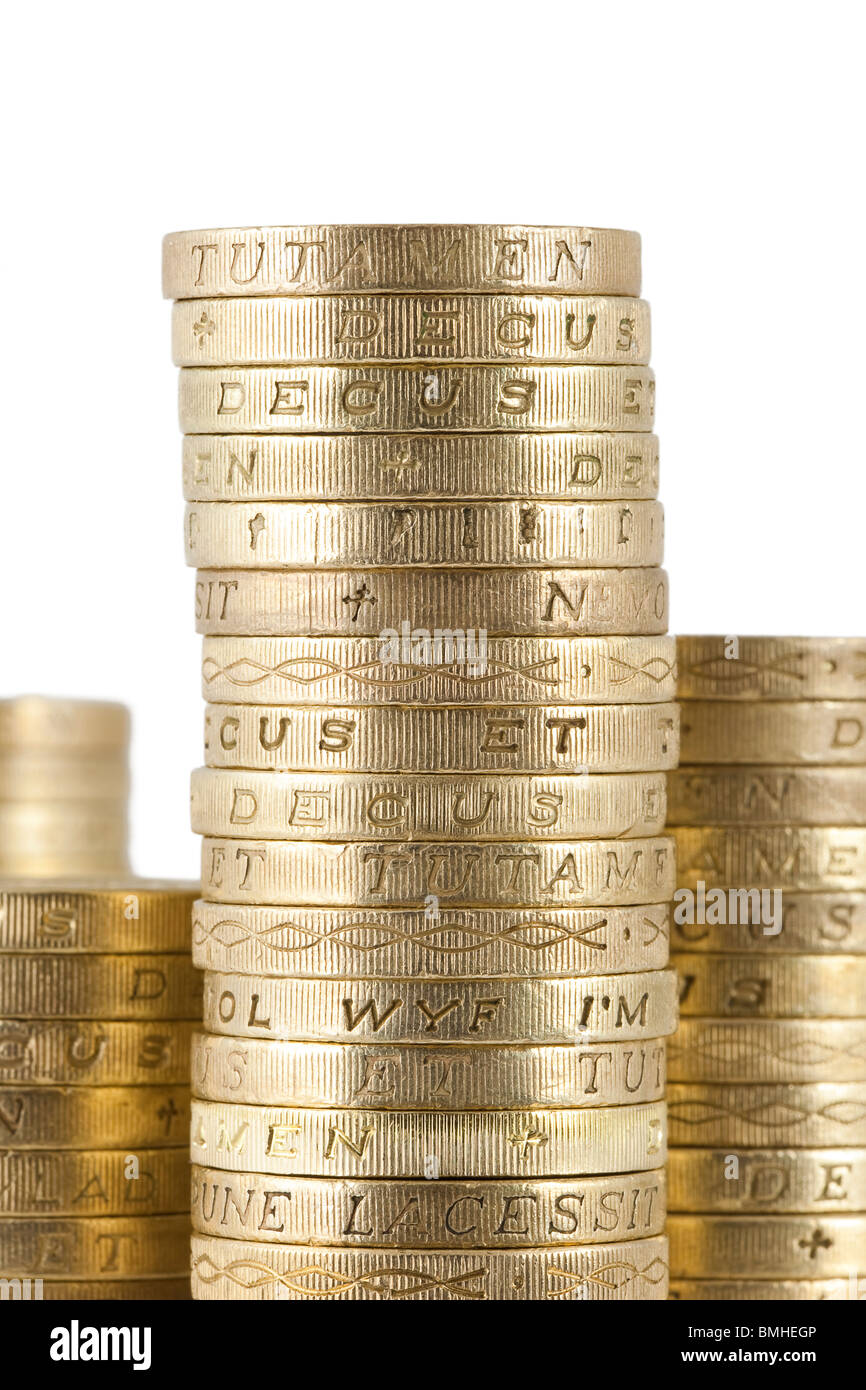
pixel 64 787
pixel 421 486
pixel 768 1101
pixel 97 995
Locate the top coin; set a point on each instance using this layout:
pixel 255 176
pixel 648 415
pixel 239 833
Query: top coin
pixel 454 259
pixel 771 668
pixel 111 915
pixel 37 721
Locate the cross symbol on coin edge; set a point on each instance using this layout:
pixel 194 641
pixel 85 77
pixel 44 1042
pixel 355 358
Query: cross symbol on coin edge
pixel 816 1242
pixel 361 596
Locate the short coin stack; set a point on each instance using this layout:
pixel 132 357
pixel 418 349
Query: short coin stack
pixel 64 787
pixel 97 994
pixel 768 1095
pixel 422 491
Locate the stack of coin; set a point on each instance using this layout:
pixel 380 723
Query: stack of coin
pixel 422 498
pixel 97 1000
pixel 64 787
pixel 768 1070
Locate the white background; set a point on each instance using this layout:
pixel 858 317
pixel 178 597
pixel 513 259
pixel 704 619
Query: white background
pixel 731 136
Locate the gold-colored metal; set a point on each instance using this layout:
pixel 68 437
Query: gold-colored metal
pixel 85 1247
pixel 436 899
pixel 166 1288
pixel 441 535
pixel 778 732
pixel 66 985
pixel 576 873
pixel 68 775
pixel 132 915
pixel 101 1183
pixel 93 1117
pixel 235 1269
pixel 577 467
pixel 393 328
pixel 424 806
pixel 768 1050
pixel 447 258
pixel 780 1180
pixel 455 670
pixel 757 795
pixel 772 668
pixel 384 943
pixel 731 986
pixel 491 1215
pixel 814 1115
pixel 336 400
pixel 79 1053
pixel 357 1075
pixel 523 738
pixel 774 1290
pixel 40 723
pixel 767 1247
pixel 812 923
pixel 530 1143
pixel 73 840
pixel 373 603
pixel 598 1008
pixel 831 859
pixel 767 1101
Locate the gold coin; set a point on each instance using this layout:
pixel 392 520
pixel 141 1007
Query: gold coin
pixel 767 795
pixel 448 258
pixel 767 1247
pixel 135 914
pixel 41 723
pixel 101 1183
pixel 377 603
pixel 90 986
pixel 576 873
pixel 455 670
pixel 386 328
pixel 472 942
pixel 804 860
pixel 523 738
pixel 334 400
pixel 767 1180
pixel 775 1290
pixel 93 1247
pixel 776 731
pixel 70 840
pixel 814 1115
pixel 598 1008
pixel 257 1071
pixel 733 986
pixel 369 467
pixel 812 923
pixel 77 1053
pixel 421 1143
pixel 234 1269
pixel 772 668
pixel 93 1117
pixel 425 806
pixel 768 1050
pixel 28 774
pixel 306 535
pixel 164 1289
pixel 425 1215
